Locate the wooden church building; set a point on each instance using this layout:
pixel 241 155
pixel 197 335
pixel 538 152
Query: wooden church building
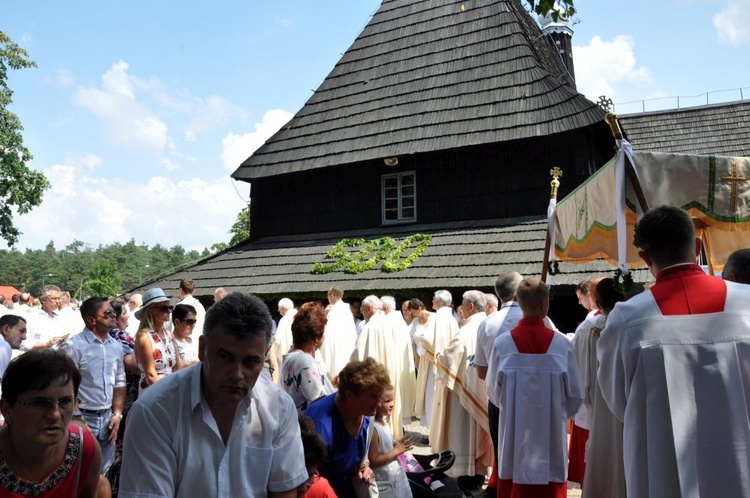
pixel 436 131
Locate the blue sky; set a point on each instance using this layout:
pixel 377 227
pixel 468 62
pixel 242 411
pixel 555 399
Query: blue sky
pixel 139 111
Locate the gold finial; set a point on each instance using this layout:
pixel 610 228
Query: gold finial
pixel 614 125
pixel 555 173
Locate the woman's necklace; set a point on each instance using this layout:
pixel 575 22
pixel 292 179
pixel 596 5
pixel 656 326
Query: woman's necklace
pixel 35 482
pixel 353 426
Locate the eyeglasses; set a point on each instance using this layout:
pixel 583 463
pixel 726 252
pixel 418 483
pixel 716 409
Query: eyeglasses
pixel 110 314
pixel 165 309
pixel 191 321
pixel 45 404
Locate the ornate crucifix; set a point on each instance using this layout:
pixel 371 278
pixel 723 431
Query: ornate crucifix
pixel 734 178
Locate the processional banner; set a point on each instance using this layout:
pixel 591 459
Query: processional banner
pixel 714 190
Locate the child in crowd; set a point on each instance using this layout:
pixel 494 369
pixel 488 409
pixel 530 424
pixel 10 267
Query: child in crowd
pixel 538 388
pixel 384 452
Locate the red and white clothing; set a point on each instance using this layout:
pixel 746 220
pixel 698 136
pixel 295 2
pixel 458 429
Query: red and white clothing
pixel 584 347
pixel 538 387
pixel 674 367
pixel 68 479
pixel 164 353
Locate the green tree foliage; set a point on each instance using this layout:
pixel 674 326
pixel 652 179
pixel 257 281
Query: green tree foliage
pixel 86 271
pixel 20 188
pixel 241 229
pixel 553 6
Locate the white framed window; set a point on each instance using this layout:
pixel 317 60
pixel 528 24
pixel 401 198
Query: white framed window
pixel 399 197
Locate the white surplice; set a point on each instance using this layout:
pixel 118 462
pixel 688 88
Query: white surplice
pixel 533 442
pixel 404 363
pixel 681 386
pixel 340 336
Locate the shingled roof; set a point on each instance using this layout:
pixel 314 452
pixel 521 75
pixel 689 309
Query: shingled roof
pixel 425 75
pixel 721 129
pixel 460 255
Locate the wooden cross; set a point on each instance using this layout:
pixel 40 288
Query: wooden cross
pixel 734 178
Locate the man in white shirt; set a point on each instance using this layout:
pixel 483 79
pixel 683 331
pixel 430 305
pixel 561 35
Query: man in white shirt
pixel 217 428
pixel 187 287
pixel 12 333
pixel 44 325
pixel 99 358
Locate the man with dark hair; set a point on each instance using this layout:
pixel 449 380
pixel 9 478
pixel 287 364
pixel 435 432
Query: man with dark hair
pixel 737 268
pixel 99 357
pixel 673 367
pixel 187 287
pixel 217 428
pixel 12 333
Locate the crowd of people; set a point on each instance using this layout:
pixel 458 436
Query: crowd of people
pixel 155 396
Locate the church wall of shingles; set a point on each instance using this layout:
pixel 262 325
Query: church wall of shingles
pixel 472 183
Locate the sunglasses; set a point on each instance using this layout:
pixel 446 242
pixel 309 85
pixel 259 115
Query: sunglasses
pixel 165 308
pixel 109 314
pixel 191 321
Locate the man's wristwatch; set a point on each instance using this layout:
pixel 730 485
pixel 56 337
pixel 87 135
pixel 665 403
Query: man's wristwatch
pixel 117 415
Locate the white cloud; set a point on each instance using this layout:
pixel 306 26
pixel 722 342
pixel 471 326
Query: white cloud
pixel 209 113
pixel 127 122
pixel 237 148
pixel 63 77
pixel 194 213
pixel 602 67
pixel 731 23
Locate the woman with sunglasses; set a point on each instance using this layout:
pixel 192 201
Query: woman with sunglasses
pixel 155 349
pixel 41 454
pixel 183 321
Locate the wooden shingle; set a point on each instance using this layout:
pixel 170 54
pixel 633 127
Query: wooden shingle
pixel 425 76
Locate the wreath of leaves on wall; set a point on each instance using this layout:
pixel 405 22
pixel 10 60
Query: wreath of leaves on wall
pixel 360 262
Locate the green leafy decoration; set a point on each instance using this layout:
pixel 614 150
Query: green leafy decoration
pixel 392 264
pixel 338 254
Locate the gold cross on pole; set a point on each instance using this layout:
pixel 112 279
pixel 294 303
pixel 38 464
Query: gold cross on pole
pixel 555 173
pixel 734 178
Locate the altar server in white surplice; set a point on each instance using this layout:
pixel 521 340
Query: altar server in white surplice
pixel 376 341
pixel 674 367
pixel 537 388
pixel 462 425
pixel 435 338
pixel 340 334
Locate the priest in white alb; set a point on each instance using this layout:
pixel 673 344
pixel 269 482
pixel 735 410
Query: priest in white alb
pixel 376 341
pixel 435 338
pixel 340 333
pixel 282 339
pixel 462 425
pixel 404 357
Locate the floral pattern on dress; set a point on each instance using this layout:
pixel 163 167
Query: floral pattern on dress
pixel 14 484
pixel 164 354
